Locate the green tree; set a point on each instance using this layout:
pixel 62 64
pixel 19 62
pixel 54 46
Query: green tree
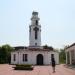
pixel 48 47
pixel 5 53
pixel 45 46
pixel 62 56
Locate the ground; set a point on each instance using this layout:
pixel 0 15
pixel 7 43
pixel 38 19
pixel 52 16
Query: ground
pixel 6 69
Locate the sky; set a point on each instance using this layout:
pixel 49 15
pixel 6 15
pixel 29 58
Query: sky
pixel 57 19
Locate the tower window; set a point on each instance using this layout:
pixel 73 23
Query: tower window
pixel 25 57
pixel 36 22
pixel 36 32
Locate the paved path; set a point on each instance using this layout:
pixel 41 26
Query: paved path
pixel 6 69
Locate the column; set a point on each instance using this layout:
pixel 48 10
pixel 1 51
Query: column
pixel 70 57
pixel 66 58
pixel 74 55
pixel 18 58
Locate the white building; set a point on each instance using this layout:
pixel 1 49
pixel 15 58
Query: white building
pixel 70 54
pixel 34 54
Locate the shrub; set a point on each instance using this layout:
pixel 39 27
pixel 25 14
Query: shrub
pixel 23 67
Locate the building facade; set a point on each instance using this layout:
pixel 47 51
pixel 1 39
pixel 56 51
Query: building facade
pixel 70 54
pixel 34 54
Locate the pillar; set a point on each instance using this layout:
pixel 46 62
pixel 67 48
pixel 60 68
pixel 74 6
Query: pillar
pixel 66 58
pixel 70 57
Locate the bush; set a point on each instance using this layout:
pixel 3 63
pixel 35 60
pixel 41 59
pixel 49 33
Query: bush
pixel 5 53
pixel 23 67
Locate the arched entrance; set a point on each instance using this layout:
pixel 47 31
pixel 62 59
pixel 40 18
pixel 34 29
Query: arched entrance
pixel 39 59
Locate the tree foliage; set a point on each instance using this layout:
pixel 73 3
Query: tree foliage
pixel 5 53
pixel 48 47
pixel 62 56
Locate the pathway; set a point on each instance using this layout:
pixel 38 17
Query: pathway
pixel 6 69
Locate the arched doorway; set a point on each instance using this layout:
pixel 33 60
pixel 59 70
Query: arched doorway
pixel 39 59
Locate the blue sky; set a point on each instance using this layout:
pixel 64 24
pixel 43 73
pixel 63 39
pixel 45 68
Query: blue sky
pixel 57 18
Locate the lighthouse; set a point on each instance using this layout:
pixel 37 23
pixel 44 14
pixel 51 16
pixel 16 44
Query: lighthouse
pixel 35 31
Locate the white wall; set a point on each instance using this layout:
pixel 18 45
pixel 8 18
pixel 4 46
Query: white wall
pixel 17 57
pixel 71 56
pixel 32 57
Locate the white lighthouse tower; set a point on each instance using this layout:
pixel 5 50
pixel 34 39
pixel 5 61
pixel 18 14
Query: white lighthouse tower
pixel 35 31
